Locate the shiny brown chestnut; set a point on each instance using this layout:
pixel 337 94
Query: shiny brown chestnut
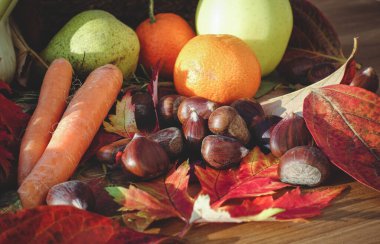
pixel 249 109
pixel 145 114
pixel 226 121
pixel 107 154
pixel 171 140
pixel 194 130
pixel 202 106
pixel 144 159
pixel 168 108
pixel 222 152
pixel 73 193
pixel 260 132
pixel 304 165
pixel 288 133
pixel 367 79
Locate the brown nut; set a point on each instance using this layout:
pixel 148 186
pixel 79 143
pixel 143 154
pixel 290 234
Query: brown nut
pixel 107 154
pixel 168 108
pixel 226 121
pixel 250 110
pixel 170 139
pixel 144 158
pixel 222 152
pixel 260 132
pixel 194 130
pixel 288 133
pixel 145 114
pixel 367 79
pixel 304 165
pixel 73 193
pixel 202 106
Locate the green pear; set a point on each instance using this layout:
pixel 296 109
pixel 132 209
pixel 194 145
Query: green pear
pixel 265 25
pixel 94 38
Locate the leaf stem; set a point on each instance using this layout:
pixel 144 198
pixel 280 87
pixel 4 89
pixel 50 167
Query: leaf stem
pixel 340 60
pixel 151 12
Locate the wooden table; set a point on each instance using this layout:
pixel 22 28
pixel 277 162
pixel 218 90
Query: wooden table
pixel 354 217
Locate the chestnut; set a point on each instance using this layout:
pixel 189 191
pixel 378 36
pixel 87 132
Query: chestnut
pixel 367 79
pixel 304 165
pixel 249 109
pixel 194 129
pixel 73 193
pixel 171 140
pixel 221 152
pixel 107 154
pixel 144 159
pixel 260 131
pixel 168 108
pixel 288 133
pixel 145 114
pixel 201 105
pixel 226 121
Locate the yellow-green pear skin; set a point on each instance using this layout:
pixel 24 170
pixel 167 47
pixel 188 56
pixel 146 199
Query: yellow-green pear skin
pixel 94 38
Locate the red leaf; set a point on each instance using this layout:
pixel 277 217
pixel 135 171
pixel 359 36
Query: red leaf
pixel 314 49
pixel 153 91
pixel 6 161
pixel 66 224
pixel 295 206
pixel 12 117
pixel 256 176
pixel 345 123
pixel 159 199
pixel 5 88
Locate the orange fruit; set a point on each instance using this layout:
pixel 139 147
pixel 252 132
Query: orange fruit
pixel 221 68
pixel 162 41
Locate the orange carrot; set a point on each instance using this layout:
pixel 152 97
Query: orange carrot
pixel 73 135
pixel 51 105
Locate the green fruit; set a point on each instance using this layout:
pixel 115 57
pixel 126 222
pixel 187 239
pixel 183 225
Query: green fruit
pixel 265 25
pixel 94 38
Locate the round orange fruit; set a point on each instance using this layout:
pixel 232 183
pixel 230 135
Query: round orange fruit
pixel 162 40
pixel 221 68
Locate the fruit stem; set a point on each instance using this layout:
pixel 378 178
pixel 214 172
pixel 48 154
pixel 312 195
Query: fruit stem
pixel 151 12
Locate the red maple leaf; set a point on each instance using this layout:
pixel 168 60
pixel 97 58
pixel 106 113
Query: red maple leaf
pixel 155 200
pixel 66 224
pixel 256 176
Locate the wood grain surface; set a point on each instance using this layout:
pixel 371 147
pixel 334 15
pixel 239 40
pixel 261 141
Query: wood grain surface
pixel 354 217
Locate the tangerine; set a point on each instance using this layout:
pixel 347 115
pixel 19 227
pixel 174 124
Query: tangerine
pixel 221 68
pixel 161 40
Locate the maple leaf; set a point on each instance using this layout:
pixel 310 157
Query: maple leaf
pixel 256 176
pixel 123 122
pixel 67 224
pixel 155 200
pixel 292 206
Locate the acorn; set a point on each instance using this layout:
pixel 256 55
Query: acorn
pixel 171 140
pixel 250 110
pixel 194 130
pixel 145 114
pixel 367 79
pixel 168 108
pixel 108 153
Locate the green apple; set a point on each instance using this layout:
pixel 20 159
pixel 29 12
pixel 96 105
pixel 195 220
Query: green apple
pixel 265 25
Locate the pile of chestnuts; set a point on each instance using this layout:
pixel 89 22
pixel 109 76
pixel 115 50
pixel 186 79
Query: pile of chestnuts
pixel 197 129
pixel 218 135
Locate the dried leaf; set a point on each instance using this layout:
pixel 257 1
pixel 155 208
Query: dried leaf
pixel 293 102
pixel 256 176
pixel 123 121
pixel 314 49
pixel 155 200
pixel 345 124
pixel 66 224
pixel 153 91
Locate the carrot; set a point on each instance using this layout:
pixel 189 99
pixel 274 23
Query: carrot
pixel 74 133
pixel 51 105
